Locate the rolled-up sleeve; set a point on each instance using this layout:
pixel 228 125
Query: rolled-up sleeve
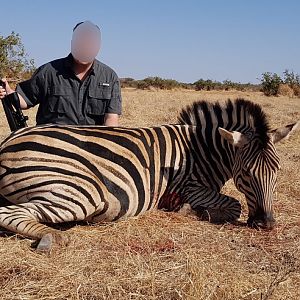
pixel 31 89
pixel 115 103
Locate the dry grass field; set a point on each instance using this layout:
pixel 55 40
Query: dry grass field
pixel 166 255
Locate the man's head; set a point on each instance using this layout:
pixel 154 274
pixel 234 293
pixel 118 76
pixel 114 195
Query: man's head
pixel 85 43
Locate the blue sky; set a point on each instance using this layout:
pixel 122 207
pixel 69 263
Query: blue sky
pixel 181 40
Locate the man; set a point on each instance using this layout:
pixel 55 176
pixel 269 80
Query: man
pixel 75 90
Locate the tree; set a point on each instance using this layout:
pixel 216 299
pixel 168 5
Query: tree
pixel 270 83
pixel 14 62
pixel 291 78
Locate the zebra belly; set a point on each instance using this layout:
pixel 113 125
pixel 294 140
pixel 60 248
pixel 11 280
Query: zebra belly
pixel 79 198
pixel 93 201
pixel 95 186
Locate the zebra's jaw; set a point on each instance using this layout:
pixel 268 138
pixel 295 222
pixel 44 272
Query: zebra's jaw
pixel 261 221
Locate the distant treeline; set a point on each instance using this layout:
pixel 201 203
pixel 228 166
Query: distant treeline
pixel 271 84
pixel 201 84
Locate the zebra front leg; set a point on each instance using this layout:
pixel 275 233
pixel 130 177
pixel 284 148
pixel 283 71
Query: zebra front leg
pixel 25 219
pixel 211 205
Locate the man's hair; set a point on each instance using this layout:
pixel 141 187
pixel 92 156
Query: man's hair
pixel 80 24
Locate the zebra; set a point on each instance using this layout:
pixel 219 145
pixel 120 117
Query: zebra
pixel 62 173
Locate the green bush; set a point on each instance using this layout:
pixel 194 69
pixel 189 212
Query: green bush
pixel 160 83
pixel 229 85
pixel 291 78
pixel 14 63
pixel 207 85
pixel 270 83
pixel 142 84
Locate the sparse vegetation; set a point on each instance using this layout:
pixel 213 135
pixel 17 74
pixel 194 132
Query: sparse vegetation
pixel 166 255
pixel 270 83
pixel 274 85
pixel 151 82
pixel 199 85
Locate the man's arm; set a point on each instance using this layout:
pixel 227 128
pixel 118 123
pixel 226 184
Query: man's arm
pixel 111 119
pixel 114 108
pixel 23 103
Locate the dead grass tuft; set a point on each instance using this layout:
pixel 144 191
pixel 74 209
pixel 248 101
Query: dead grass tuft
pixel 296 89
pixel 285 90
pixel 167 255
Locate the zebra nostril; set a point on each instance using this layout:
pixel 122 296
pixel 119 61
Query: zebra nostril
pixel 263 223
pixel 269 224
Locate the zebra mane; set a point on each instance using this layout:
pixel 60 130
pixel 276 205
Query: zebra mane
pixel 251 117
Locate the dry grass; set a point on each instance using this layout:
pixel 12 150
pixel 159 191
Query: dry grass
pixel 166 255
pixel 285 90
pixel 296 89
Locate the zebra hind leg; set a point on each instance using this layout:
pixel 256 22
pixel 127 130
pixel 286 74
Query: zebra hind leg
pixel 25 219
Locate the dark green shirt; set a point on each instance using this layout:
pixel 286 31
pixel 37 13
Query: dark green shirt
pixel 64 99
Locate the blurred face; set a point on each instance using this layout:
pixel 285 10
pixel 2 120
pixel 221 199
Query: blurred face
pixel 85 44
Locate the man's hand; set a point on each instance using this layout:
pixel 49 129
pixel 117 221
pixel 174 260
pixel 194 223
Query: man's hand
pixel 111 120
pixel 5 89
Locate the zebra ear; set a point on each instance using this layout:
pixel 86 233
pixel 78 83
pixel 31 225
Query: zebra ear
pixel 235 138
pixel 283 133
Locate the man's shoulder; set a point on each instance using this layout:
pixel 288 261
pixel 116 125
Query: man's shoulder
pixel 52 65
pixel 105 69
pixel 59 63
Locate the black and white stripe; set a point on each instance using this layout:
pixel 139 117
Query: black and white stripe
pixel 54 174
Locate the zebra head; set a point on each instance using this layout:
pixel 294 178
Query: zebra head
pixel 255 171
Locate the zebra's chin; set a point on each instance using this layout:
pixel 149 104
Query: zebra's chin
pixel 267 223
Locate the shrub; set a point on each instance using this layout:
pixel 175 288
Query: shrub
pixel 165 84
pixel 199 85
pixel 270 83
pixel 208 85
pixel 127 82
pixel 143 84
pixel 229 85
pixel 14 62
pixel 291 78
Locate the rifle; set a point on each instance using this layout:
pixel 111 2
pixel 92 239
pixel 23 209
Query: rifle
pixel 13 112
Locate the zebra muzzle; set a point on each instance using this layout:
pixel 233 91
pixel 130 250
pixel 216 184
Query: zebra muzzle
pixel 266 223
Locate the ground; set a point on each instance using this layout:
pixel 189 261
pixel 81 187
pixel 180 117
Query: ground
pixel 166 255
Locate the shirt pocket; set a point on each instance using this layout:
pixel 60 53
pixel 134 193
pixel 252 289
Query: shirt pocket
pixel 98 100
pixel 59 100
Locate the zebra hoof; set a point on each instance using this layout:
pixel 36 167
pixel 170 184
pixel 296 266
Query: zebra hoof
pixel 186 210
pixel 49 240
pixel 46 243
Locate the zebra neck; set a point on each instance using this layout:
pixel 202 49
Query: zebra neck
pixel 213 158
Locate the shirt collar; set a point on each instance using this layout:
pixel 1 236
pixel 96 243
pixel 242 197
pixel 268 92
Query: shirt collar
pixel 69 61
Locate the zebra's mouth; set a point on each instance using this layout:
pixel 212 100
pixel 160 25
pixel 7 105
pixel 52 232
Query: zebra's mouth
pixel 261 223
